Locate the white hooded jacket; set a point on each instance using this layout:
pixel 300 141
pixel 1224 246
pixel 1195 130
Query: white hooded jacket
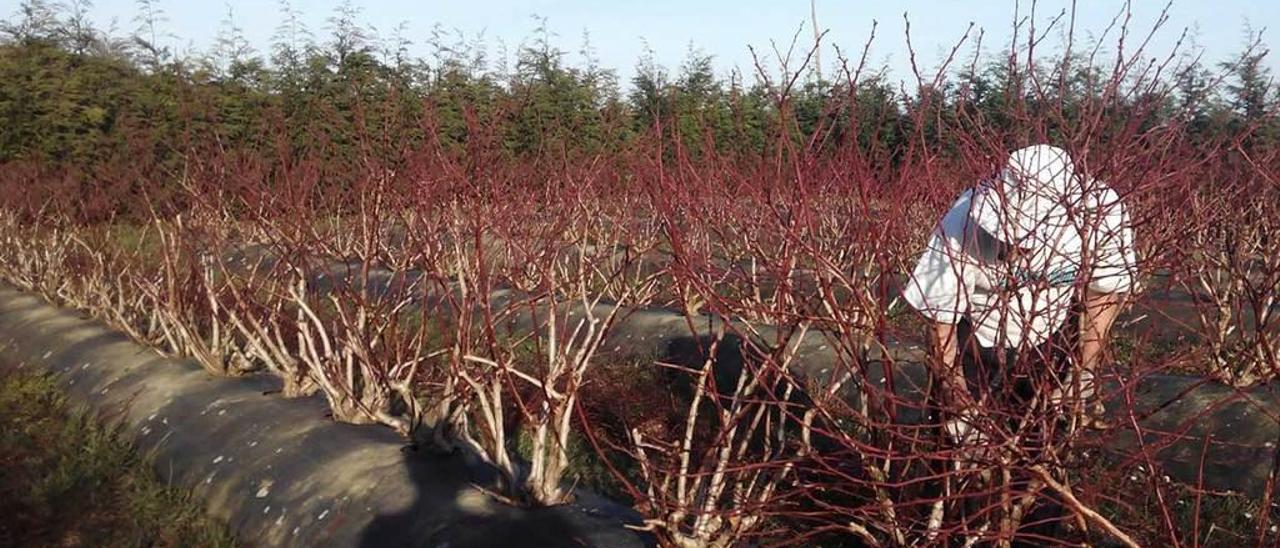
pixel 1012 297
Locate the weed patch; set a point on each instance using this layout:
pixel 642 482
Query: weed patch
pixel 67 481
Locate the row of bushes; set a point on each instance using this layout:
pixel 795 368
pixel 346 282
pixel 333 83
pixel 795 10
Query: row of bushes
pixel 471 312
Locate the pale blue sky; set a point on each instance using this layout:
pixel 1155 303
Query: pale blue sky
pixel 723 28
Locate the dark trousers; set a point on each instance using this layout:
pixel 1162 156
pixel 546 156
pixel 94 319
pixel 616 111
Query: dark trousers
pixel 1007 380
pixel 1007 377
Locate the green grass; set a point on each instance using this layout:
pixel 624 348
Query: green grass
pixel 67 481
pixel 134 238
pixel 1222 519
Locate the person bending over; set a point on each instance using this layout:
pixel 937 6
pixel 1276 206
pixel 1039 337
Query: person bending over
pixel 1031 268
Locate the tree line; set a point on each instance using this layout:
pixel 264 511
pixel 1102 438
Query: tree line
pixel 75 95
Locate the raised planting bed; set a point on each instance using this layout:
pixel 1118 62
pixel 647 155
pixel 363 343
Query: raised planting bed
pixel 1203 433
pixel 280 472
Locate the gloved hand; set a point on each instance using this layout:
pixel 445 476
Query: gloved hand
pixel 962 431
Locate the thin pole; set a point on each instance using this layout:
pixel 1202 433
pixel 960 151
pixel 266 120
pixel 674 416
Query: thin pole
pixel 817 36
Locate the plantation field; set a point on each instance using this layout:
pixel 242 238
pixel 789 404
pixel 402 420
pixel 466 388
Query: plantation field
pixel 689 299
